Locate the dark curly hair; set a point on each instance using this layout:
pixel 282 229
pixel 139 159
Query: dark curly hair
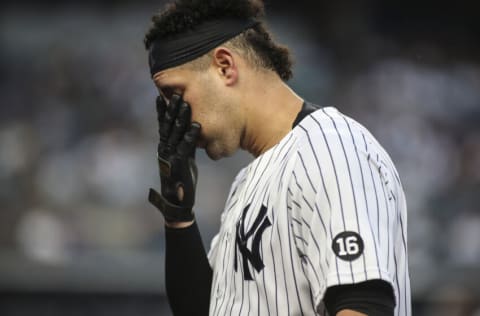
pixel 255 44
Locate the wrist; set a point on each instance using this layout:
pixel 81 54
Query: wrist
pixel 172 213
pixel 179 225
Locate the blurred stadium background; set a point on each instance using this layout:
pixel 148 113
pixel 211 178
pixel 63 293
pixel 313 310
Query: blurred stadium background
pixel 78 140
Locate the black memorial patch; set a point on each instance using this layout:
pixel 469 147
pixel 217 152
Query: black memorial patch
pixel 348 245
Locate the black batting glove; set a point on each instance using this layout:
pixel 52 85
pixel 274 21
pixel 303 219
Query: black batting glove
pixel 176 160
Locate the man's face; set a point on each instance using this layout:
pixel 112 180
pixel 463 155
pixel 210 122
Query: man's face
pixel 213 106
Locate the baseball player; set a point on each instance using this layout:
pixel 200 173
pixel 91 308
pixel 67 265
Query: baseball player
pixel 316 224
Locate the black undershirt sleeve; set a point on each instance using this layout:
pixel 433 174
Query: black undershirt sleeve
pixel 372 298
pixel 188 275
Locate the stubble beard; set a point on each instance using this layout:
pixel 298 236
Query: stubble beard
pixel 226 138
pixel 215 150
pixel 222 147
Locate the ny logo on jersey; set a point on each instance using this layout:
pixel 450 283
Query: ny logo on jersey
pixel 241 239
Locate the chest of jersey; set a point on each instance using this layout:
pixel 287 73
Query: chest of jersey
pixel 257 269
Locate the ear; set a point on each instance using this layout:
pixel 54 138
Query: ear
pixel 224 62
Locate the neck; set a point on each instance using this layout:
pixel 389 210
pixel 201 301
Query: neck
pixel 270 113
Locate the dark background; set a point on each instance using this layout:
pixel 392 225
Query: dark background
pixel 78 140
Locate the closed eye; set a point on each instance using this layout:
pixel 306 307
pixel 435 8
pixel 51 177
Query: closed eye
pixel 167 92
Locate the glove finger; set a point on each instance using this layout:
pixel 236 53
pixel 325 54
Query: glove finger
pixel 180 125
pixel 188 145
pixel 167 122
pixel 154 198
pixel 161 108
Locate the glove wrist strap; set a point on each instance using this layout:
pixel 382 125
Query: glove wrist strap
pixel 171 212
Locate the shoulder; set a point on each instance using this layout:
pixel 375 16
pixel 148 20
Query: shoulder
pixel 329 143
pixel 330 131
pixel 326 122
pixel 320 132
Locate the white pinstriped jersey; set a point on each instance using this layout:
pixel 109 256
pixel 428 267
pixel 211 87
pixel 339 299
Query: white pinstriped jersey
pixel 323 207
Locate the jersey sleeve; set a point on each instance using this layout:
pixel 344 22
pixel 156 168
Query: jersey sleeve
pixel 342 217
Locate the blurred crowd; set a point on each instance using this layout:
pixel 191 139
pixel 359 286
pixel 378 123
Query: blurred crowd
pixel 78 137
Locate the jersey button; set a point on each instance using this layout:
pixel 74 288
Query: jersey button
pixel 219 292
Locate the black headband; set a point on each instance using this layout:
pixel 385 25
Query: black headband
pixel 173 51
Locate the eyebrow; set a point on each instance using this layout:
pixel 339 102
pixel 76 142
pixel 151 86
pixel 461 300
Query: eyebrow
pixel 160 87
pixel 163 87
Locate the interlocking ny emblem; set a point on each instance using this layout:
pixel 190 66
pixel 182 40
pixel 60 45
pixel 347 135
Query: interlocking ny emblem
pixel 253 256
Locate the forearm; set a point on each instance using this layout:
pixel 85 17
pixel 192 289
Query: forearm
pixel 188 274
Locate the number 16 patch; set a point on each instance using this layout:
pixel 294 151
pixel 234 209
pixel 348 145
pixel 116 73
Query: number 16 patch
pixel 348 245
